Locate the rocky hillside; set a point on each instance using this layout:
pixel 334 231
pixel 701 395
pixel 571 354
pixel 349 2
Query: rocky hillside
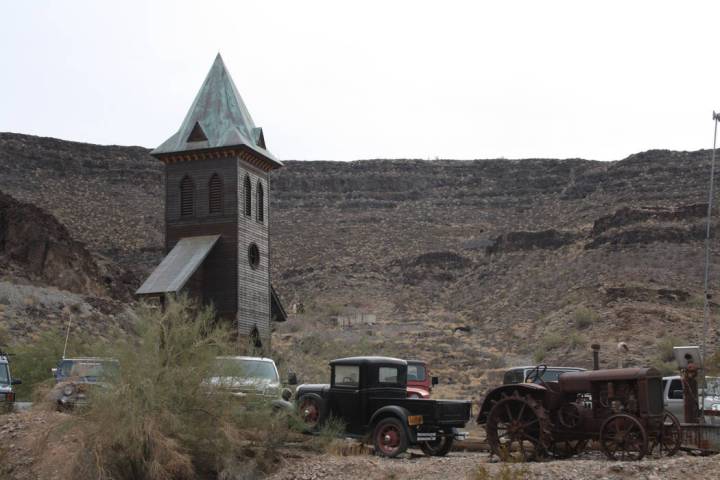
pixel 469 264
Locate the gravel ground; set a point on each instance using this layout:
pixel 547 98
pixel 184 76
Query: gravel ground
pixel 461 465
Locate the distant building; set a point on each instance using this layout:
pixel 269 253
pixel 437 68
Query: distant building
pixel 217 197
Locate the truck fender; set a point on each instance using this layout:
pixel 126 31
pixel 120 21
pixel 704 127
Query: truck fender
pixel 393 411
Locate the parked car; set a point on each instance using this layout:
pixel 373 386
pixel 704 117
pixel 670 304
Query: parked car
pixel 521 374
pixel 76 377
pixel 252 376
pixel 369 395
pixel 7 394
pixel 419 381
pixel 673 398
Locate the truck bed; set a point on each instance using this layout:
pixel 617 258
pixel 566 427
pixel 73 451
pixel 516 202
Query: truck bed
pixel 454 413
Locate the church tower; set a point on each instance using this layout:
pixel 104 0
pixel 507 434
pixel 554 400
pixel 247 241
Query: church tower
pixel 217 198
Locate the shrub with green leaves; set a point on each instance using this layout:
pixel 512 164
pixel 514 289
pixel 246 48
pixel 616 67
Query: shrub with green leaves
pixel 161 420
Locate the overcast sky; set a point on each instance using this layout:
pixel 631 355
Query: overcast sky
pixel 341 80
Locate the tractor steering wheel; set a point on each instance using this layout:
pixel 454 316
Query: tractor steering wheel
pixel 536 374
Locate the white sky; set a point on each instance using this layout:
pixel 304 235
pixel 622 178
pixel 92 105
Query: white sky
pixel 341 80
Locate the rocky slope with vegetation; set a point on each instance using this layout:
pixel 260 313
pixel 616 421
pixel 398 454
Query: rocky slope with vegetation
pixel 471 265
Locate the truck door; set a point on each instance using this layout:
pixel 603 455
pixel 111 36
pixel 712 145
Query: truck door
pixel 673 393
pixel 345 396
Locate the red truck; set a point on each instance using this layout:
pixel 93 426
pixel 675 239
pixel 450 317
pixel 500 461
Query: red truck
pixel 419 381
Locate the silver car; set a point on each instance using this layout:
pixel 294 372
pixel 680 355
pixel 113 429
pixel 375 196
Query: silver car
pixel 674 401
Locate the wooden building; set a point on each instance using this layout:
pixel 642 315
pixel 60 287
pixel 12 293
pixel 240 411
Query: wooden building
pixel 217 211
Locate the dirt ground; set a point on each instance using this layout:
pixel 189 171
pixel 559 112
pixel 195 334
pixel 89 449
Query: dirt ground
pixel 30 450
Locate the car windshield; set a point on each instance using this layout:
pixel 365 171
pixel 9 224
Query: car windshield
pixel 415 373
pixel 246 368
pixel 88 368
pixel 713 386
pixel 4 374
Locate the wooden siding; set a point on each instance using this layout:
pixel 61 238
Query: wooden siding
pixel 218 273
pixel 216 280
pixel 253 284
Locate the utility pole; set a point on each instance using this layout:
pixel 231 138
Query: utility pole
pixel 706 305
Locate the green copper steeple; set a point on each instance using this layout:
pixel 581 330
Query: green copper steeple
pixel 217 118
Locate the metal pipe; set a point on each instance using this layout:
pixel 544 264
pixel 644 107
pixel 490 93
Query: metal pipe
pixel 596 355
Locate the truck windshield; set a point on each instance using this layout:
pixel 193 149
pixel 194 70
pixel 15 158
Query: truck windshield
pixel 416 373
pixel 87 369
pixel 245 368
pixel 4 374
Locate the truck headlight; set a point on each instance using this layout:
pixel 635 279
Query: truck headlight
pixel 68 390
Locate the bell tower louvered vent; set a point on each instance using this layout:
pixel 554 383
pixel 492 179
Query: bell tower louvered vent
pixel 215 193
pixel 187 194
pixel 197 134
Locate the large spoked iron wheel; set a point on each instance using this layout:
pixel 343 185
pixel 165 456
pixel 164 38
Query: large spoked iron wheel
pixel 518 429
pixel 622 437
pixel 667 443
pixel 389 438
pixel 437 448
pixel 310 409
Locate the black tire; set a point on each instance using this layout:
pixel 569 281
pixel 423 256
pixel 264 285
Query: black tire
pixel 389 437
pixel 437 448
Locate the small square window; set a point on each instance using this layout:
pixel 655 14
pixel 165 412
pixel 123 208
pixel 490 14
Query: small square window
pixel 388 375
pixel 347 375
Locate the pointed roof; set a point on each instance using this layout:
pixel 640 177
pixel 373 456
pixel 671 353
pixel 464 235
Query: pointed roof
pixel 217 118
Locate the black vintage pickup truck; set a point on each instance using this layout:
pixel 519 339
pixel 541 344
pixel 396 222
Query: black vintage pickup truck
pixel 369 395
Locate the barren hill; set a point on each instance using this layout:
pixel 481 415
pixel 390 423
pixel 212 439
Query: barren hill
pixel 534 259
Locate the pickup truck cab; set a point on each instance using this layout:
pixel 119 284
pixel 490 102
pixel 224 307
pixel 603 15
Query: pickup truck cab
pixel 369 395
pixel 419 381
pixel 673 398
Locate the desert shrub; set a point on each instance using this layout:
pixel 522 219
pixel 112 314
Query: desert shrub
pixel 505 472
pixel 539 355
pixel 160 420
pixel 584 318
pixel 665 349
pixel 575 340
pixel 665 368
pixel 553 341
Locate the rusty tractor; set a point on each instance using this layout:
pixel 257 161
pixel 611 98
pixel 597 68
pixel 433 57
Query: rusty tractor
pixel 621 409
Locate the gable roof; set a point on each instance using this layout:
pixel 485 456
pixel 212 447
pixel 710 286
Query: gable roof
pixel 219 114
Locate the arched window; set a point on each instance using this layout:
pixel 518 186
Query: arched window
pixel 215 194
pixel 248 197
pixel 260 203
pixel 187 194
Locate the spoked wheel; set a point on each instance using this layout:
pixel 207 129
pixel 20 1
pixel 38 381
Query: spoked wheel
pixel 309 410
pixel 389 437
pixel 518 429
pixel 437 448
pixel 667 443
pixel 568 448
pixel 622 437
